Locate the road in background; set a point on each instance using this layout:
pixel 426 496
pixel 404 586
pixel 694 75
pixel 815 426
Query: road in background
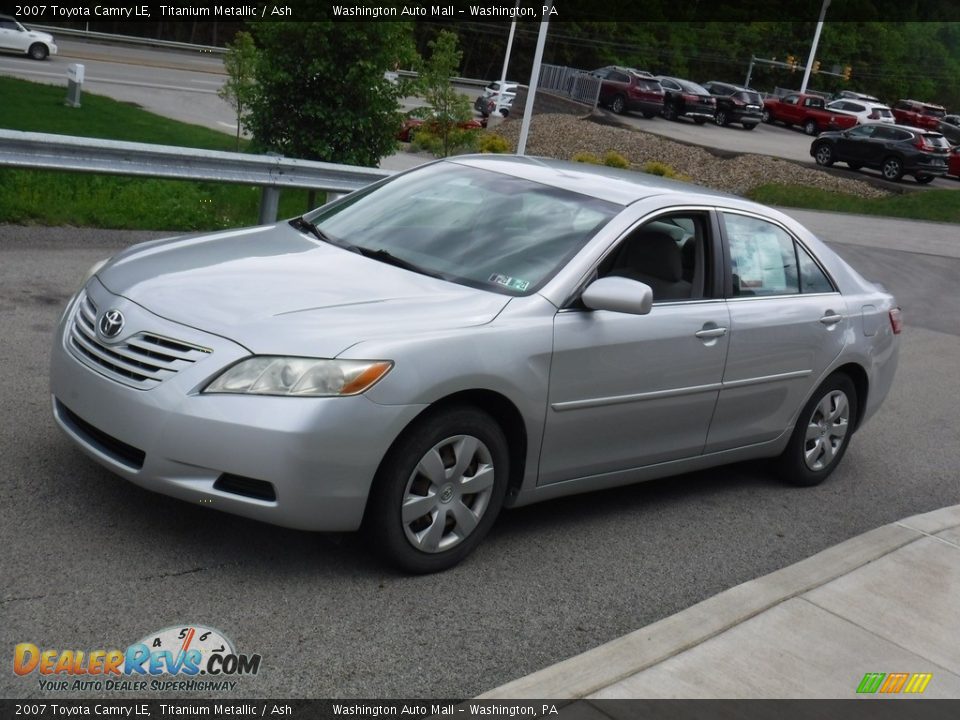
pixel 91 561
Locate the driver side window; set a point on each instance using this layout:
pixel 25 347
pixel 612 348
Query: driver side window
pixel 668 254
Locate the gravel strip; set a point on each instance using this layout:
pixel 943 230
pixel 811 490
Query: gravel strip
pixel 562 136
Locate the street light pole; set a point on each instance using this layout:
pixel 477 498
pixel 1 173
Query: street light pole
pixel 534 80
pixel 501 97
pixel 813 48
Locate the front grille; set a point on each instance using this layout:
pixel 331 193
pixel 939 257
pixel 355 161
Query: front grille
pixel 142 361
pixel 107 444
pixel 248 487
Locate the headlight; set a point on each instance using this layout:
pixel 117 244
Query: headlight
pixel 301 377
pixel 94 269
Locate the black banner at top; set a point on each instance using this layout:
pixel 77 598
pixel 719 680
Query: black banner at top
pixel 739 11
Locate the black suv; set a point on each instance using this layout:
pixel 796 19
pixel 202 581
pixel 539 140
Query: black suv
pixel 894 150
pixel 685 98
pixel 623 89
pixel 736 104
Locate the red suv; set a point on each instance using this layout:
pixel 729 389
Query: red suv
pixel 623 89
pixel 918 114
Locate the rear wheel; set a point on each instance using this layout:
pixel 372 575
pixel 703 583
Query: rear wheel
pixel 810 127
pixel 670 111
pixel 721 118
pixel 892 169
pixel 38 51
pixel 824 155
pixel 924 179
pixel 767 117
pixel 822 433
pixel 618 105
pixel 438 490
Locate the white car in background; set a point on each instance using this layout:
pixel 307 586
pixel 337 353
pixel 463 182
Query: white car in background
pixel 15 37
pixel 863 110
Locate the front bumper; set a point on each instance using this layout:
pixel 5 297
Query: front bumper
pixel 319 454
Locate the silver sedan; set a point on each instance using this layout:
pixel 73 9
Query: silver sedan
pixel 475 333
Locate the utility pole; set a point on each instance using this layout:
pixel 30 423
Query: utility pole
pixel 813 48
pixel 746 84
pixel 501 98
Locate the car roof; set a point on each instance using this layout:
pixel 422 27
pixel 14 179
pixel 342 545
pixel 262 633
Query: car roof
pixel 604 183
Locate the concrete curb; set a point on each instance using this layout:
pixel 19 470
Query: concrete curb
pixel 595 669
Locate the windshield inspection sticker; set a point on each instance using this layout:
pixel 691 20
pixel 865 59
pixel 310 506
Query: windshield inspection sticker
pixel 509 282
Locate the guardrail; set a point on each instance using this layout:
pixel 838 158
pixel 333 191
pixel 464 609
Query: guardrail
pixel 271 173
pixel 127 39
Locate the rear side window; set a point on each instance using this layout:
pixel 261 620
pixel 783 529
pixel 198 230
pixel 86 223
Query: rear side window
pixel 618 77
pixel 749 97
pixel 766 260
pixel 934 111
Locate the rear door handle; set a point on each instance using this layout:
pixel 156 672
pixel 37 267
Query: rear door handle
pixel 711 333
pixel 831 318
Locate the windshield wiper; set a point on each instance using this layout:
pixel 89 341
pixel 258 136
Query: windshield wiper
pixel 301 223
pixel 389 258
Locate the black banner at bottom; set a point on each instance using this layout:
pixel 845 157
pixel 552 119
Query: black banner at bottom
pixel 859 709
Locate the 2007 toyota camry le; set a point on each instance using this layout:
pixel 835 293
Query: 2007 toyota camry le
pixel 476 333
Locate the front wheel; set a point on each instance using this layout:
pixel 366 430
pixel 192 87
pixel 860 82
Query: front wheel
pixel 438 490
pixel 824 155
pixel 669 112
pixel 721 118
pixel 618 105
pixel 767 117
pixel 822 433
pixel 38 51
pixel 810 127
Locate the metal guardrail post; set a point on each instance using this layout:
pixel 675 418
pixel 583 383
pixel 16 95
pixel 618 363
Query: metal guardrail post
pixel 269 204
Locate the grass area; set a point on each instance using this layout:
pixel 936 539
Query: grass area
pixel 80 199
pixel 935 205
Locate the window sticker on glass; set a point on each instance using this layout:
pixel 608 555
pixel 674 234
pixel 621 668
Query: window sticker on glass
pixel 509 282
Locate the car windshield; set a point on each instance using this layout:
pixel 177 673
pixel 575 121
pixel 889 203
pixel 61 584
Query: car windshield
pixel 471 226
pixel 936 140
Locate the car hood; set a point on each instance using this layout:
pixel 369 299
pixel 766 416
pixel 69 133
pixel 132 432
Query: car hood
pixel 275 290
pixel 34 35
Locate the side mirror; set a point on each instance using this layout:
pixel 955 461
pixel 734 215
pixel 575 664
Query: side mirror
pixel 618 294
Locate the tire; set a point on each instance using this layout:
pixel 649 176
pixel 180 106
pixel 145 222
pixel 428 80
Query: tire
pixel 669 112
pixel 854 166
pixel 38 51
pixel 721 118
pixel 822 433
pixel 429 467
pixel 748 126
pixel 619 105
pixel 824 155
pixel 700 121
pixel 892 169
pixel 767 117
pixel 923 179
pixel 810 127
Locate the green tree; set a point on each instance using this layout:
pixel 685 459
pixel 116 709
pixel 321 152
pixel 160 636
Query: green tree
pixel 240 63
pixel 446 107
pixel 321 92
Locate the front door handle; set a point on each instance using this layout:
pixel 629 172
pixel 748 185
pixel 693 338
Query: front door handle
pixel 831 318
pixel 711 333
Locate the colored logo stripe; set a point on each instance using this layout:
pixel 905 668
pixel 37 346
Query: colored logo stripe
pixel 892 683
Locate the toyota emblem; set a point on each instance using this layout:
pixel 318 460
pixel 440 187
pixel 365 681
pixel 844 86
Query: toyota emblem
pixel 111 323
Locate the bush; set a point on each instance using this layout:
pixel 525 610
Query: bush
pixel 459 141
pixel 490 143
pixel 585 157
pixel 663 170
pixel 615 160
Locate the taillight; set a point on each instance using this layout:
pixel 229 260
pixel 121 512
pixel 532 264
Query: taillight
pixel 896 321
pixel 921 144
pixel 690 98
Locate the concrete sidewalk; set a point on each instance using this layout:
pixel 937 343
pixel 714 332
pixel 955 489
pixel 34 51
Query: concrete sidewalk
pixel 887 601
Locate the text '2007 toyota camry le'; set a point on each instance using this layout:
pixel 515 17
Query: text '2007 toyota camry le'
pixel 474 333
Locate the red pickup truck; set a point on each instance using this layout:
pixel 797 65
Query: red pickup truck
pixel 807 111
pixel 918 114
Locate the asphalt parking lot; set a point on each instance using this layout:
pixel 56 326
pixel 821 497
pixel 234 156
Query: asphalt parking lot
pixel 93 562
